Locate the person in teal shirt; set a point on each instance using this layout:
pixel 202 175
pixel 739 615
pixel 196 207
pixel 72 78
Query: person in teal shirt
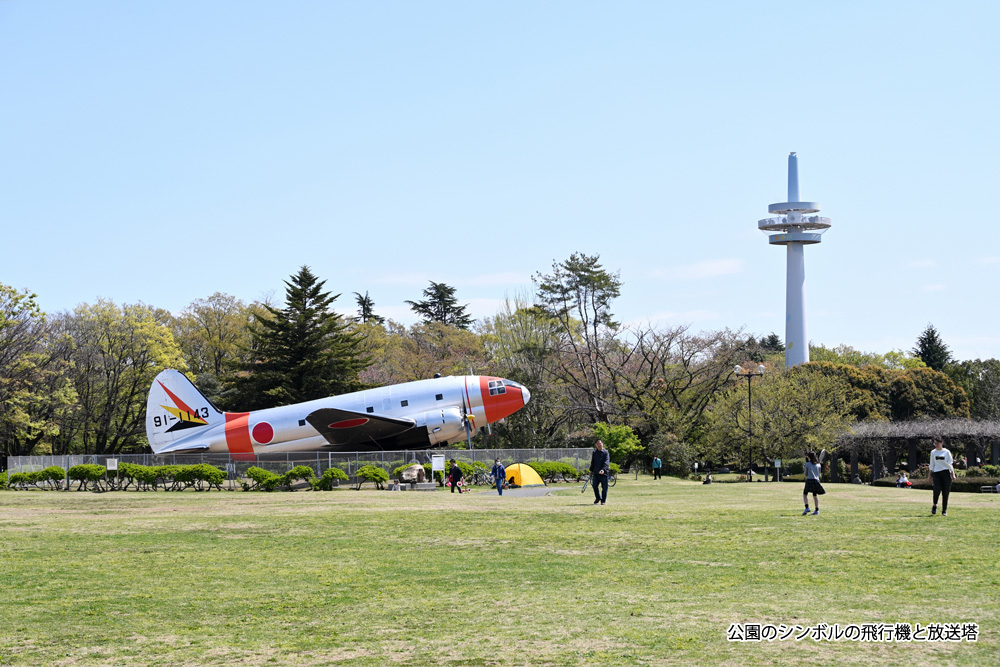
pixel 657 465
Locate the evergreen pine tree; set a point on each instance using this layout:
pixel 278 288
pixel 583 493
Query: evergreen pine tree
pixel 441 306
pixel 366 310
pixel 302 352
pixel 932 350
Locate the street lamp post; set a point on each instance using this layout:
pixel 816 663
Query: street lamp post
pixel 749 375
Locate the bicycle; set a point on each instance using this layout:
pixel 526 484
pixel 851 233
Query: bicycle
pixel 612 480
pixel 481 478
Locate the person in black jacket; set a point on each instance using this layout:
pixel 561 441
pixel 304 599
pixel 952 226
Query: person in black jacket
pixel 600 468
pixel 454 475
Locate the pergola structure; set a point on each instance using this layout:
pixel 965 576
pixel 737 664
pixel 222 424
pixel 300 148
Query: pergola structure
pixel 883 442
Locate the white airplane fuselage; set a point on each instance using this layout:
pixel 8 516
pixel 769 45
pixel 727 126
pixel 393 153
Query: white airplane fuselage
pixel 411 415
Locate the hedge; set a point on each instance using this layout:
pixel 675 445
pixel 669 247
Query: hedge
pixel 47 479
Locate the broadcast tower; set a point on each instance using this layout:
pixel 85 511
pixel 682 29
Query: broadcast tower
pixel 796 229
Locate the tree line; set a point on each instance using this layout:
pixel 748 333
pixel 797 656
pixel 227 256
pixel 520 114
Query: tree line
pixel 76 382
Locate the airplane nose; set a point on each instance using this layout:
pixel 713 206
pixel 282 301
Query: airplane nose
pixel 525 394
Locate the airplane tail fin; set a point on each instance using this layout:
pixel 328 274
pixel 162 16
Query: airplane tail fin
pixel 176 410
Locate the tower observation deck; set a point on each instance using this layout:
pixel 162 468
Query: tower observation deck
pixel 794 228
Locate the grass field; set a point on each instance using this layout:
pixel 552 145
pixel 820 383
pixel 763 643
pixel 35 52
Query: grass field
pixel 363 578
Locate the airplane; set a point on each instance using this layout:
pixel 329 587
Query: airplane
pixel 411 415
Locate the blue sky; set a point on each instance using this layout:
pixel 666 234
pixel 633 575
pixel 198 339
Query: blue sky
pixel 160 152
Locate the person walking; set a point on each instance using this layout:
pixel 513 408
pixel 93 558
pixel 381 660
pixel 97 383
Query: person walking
pixel 600 468
pixel 454 475
pixel 499 474
pixel 941 473
pixel 813 485
pixel 657 465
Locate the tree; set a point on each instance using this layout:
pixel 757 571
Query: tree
pixel 924 393
pixel 932 350
pixel 622 444
pixel 665 380
pixel 117 353
pixel 768 349
pixel 845 354
pixel 366 310
pixel 878 393
pixel 35 391
pixel 577 296
pixel 417 353
pixel 441 305
pixel 981 382
pixel 302 352
pixel 521 344
pixel 212 332
pixel 791 411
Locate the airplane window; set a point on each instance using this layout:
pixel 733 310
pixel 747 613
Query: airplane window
pixel 302 422
pixel 439 397
pixel 403 404
pixel 496 387
pixel 369 409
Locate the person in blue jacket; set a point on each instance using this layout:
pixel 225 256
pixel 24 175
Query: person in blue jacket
pixel 600 468
pixel 499 474
pixel 657 465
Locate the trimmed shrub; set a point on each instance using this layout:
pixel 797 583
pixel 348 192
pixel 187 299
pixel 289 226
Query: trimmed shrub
pixel 374 474
pixel 793 466
pixel 3 480
pixel 17 480
pixel 261 480
pixel 332 476
pixel 550 470
pixel 541 467
pixel 144 477
pixel 87 474
pixel 52 477
pixel 304 473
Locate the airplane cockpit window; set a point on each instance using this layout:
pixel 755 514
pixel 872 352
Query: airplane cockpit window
pixel 512 384
pixel 497 387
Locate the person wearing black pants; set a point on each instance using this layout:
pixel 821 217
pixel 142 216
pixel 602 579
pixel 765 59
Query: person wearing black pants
pixel 941 473
pixel 454 475
pixel 600 467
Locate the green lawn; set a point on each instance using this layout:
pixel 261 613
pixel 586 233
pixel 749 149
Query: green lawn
pixel 363 578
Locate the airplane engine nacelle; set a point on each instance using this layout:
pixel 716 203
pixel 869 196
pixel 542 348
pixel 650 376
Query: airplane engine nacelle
pixel 444 425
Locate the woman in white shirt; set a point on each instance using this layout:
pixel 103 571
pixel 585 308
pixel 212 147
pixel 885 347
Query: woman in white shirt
pixel 941 473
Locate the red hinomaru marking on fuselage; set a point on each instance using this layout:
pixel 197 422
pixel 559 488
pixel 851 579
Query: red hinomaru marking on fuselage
pixel 263 433
pixel 238 433
pixel 348 423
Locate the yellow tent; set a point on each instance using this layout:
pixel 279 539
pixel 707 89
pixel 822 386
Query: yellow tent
pixel 523 475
